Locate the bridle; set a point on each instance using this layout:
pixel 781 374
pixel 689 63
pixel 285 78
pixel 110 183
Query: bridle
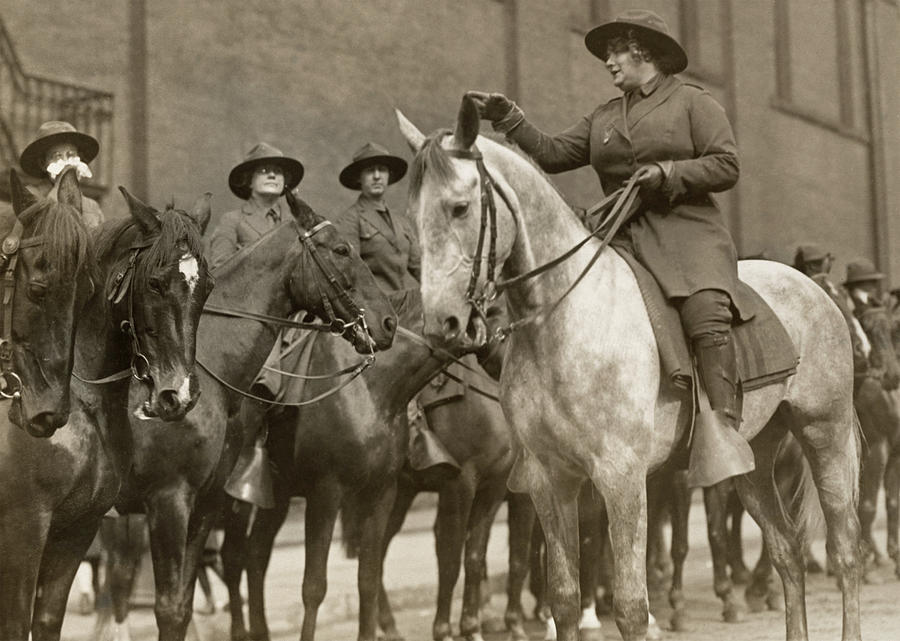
pixel 614 211
pixel 11 387
pixel 325 271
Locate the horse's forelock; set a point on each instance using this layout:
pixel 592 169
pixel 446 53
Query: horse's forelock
pixel 432 158
pixel 178 235
pixel 66 246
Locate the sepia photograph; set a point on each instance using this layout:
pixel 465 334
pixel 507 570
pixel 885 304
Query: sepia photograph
pixel 479 320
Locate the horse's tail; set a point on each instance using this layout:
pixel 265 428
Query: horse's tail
pixel 855 448
pixel 803 507
pixel 351 527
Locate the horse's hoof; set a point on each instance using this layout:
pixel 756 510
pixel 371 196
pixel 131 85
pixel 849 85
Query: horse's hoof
pixel 678 622
pixel 392 634
pixel 492 625
pixel 731 613
pixel 654 632
pixel 517 633
pixel 590 634
pixel 755 602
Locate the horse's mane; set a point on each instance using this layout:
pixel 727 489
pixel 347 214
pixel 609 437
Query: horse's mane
pixel 66 246
pixel 432 157
pixel 177 235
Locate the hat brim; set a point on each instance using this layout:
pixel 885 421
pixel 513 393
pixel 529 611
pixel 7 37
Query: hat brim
pixel 866 278
pixel 597 38
pixel 349 176
pixel 32 158
pixel 293 174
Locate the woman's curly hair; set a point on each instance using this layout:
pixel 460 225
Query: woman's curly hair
pixel 641 49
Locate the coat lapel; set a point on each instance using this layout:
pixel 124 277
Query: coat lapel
pixel 378 222
pixel 654 100
pixel 252 220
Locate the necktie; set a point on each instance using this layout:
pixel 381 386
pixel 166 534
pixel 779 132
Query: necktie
pixel 385 214
pixel 274 216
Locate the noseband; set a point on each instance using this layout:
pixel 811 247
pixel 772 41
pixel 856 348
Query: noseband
pixel 9 258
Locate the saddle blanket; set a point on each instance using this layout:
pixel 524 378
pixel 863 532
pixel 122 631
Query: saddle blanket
pixel 765 352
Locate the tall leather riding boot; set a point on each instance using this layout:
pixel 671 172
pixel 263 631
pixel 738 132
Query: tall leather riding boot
pixel 718 451
pixel 251 478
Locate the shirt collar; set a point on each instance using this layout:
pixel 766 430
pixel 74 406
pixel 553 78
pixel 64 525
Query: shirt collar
pixel 251 207
pixel 367 202
pixel 650 86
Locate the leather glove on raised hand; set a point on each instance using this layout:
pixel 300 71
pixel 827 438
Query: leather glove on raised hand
pixel 503 113
pixel 650 177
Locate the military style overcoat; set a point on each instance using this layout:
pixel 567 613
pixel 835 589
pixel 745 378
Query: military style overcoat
pixel 238 228
pixel 681 237
pixel 392 255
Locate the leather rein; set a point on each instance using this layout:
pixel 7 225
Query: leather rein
pixel 614 210
pixel 9 254
pixel 335 326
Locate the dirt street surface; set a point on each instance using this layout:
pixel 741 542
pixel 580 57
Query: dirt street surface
pixel 411 575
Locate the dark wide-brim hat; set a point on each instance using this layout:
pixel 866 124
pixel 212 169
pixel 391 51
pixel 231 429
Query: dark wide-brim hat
pixel 862 270
pixel 264 153
pixel 368 155
pixel 811 252
pixel 647 26
pixel 55 132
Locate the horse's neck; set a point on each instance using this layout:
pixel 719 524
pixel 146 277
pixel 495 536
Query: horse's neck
pixel 254 283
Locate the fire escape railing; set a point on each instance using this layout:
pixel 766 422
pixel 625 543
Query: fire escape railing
pixel 27 100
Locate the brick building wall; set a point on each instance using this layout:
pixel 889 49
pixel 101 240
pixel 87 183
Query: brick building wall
pixel 318 78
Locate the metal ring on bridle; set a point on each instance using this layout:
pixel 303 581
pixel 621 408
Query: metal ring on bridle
pixel 140 367
pixel 17 388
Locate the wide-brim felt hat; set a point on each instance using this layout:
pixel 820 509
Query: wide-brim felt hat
pixel 862 270
pixel 372 154
pixel 647 26
pixel 264 153
pixel 55 132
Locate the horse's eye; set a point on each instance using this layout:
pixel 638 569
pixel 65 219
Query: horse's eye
pixel 460 209
pixel 342 250
pixel 37 290
pixel 155 284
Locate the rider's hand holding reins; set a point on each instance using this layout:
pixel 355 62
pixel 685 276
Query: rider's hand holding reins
pixel 650 176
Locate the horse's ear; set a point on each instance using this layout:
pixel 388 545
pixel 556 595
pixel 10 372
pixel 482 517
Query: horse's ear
pixel 468 123
pixel 200 211
pixel 145 215
pixel 22 198
pixel 67 190
pixel 414 137
pixel 302 213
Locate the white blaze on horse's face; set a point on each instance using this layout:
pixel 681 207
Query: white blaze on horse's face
pixel 190 269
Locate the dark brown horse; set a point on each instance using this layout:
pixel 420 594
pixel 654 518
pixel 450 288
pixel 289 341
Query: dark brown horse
pixel 473 430
pixel 46 267
pixel 347 449
pixel 141 322
pixel 179 469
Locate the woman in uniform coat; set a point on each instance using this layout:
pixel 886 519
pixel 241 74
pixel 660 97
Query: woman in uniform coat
pixel 679 142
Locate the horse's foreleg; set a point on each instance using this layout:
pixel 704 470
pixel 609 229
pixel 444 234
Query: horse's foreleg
pixel 555 499
pixel 484 508
pixel 870 479
pixel 892 507
pixel 63 553
pixel 760 496
pixel 168 515
pixel 406 492
pixel 759 593
pixel 322 505
pixel 537 579
pixel 259 553
pixel 832 450
pixel 591 528
pixel 520 520
pixel 454 505
pixel 23 534
pixel 377 509
pixel 234 551
pixel 715 500
pixel 680 507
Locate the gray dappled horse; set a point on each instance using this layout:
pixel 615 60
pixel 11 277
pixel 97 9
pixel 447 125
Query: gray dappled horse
pixel 582 388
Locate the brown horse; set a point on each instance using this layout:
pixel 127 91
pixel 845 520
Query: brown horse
pixel 56 489
pixel 346 450
pixel 582 387
pixel 47 263
pixel 179 469
pixel 473 430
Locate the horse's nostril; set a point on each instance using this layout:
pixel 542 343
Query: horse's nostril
pixel 390 325
pixel 451 328
pixel 168 400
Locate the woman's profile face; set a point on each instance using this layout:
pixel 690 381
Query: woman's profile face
pixel 626 72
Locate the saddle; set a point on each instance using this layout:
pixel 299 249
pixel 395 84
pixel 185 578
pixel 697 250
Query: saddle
pixel 765 352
